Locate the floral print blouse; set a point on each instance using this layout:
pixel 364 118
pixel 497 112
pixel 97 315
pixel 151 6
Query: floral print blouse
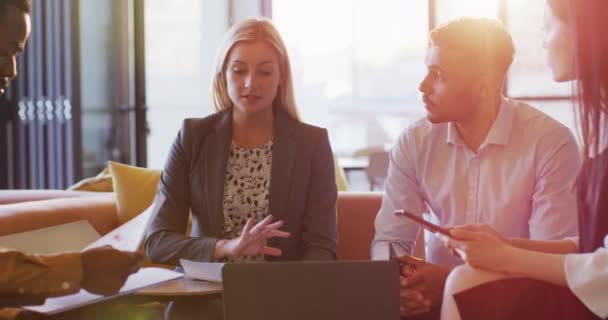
pixel 246 191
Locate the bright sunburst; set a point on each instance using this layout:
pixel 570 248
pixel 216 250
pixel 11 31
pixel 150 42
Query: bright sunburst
pixel 451 9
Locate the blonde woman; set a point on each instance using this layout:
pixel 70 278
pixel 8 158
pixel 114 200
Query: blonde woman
pixel 260 183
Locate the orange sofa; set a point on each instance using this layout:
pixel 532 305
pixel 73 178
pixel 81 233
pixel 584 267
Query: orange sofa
pixel 24 210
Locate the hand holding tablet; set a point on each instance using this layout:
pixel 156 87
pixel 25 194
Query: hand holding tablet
pixel 440 232
pixel 423 223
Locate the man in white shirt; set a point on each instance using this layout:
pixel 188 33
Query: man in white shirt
pixel 476 158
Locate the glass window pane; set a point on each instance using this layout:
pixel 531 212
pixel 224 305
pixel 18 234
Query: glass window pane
pixel 96 73
pixel 357 67
pixel 529 74
pixel 182 37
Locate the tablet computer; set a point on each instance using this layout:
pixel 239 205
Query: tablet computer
pixel 425 224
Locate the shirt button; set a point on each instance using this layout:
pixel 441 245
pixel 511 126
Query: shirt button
pixel 21 290
pixel 65 285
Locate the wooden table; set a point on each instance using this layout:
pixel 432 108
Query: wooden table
pixel 353 164
pixel 182 287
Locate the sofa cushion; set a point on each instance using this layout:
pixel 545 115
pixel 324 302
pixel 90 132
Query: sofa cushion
pixel 99 183
pixel 356 215
pixel 341 180
pixel 135 189
pixel 99 210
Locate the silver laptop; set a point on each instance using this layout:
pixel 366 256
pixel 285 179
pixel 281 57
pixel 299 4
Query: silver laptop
pixel 353 290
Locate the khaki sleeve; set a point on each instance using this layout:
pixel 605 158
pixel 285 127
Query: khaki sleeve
pixel 9 313
pixel 32 275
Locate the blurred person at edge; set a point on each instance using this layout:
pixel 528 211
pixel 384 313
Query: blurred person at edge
pixel 511 278
pixel 33 278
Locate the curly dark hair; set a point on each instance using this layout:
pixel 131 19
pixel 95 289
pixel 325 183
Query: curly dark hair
pixel 23 5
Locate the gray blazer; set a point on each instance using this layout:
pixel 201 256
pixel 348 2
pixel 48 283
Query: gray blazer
pixel 302 191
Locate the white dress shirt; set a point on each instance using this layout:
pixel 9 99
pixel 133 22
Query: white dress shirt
pixel 520 181
pixel 587 276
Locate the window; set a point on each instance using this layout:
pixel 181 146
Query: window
pixel 182 37
pixel 356 65
pixel 529 75
pixel 447 10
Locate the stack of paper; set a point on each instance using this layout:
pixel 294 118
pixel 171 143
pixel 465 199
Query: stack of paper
pixel 127 237
pixel 130 235
pixel 207 271
pixel 143 278
pixel 66 237
pixel 80 236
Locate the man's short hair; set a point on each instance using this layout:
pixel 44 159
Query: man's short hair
pixel 23 5
pixel 484 41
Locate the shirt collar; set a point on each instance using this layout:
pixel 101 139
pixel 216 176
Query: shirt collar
pixel 453 136
pixel 499 133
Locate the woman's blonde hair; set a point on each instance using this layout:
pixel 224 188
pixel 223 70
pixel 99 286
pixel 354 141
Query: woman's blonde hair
pixel 250 30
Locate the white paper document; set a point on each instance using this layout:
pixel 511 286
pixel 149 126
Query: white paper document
pixel 127 237
pixel 146 277
pixel 207 271
pixel 72 236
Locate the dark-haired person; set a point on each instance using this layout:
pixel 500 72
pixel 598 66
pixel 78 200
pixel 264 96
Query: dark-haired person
pixel 14 31
pixel 22 276
pixel 477 157
pixel 507 278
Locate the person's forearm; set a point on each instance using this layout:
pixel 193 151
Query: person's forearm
pixel 547 246
pixel 220 251
pixel 537 265
pixel 32 275
pixel 169 247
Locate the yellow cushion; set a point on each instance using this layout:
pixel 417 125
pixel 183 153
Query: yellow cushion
pixel 100 183
pixel 341 181
pixel 135 189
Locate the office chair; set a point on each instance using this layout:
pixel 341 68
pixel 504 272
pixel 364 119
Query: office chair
pixel 377 170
